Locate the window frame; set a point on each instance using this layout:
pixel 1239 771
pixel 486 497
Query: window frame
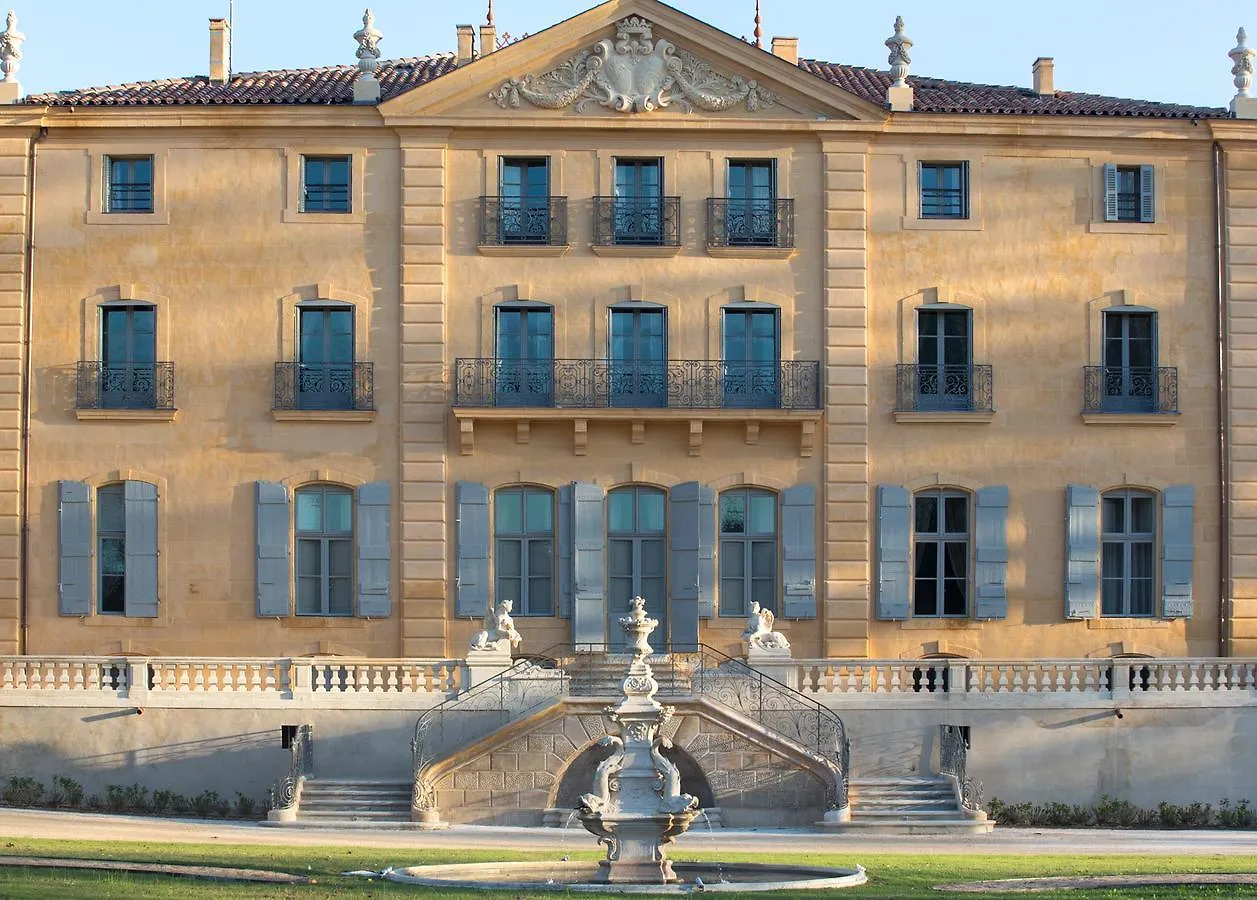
pixel 325 539
pixel 1125 402
pixel 138 377
pixel 940 396
pixel 294 185
pixel 525 538
pixel 637 536
pixel 326 160
pixel 109 167
pixel 962 166
pixel 748 539
pixel 940 539
pixel 1128 539
pixel 115 489
pixel 97 211
pixel 520 235
pixel 640 372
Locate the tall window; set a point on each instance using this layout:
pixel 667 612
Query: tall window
pixel 128 373
pixel 128 184
pixel 940 581
pixel 637 550
pixel 748 551
pixel 525 355
pixel 325 184
pixel 944 190
pixel 325 551
pixel 111 543
pixel 751 217
pixel 1129 194
pixel 1130 361
pixel 944 359
pixel 523 524
pixel 637 216
pixel 752 357
pixel 325 371
pixel 1128 557
pixel 524 195
pixel 639 356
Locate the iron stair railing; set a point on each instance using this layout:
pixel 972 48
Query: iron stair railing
pixel 285 793
pixel 953 758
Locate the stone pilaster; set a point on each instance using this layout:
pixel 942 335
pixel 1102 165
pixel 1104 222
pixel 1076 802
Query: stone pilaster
pixel 13 204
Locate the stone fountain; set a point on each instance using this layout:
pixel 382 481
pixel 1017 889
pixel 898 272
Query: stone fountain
pixel 637 806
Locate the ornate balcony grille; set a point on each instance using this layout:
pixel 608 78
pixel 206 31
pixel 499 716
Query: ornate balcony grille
pixel 672 384
pixel 631 221
pixel 125 385
pixel 944 389
pixel 1130 389
pixel 324 386
pixel 750 223
pixel 508 221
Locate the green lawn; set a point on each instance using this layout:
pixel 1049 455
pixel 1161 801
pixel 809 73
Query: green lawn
pixel 890 876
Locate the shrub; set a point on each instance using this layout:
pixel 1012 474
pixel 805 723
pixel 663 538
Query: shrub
pixel 1238 816
pixel 22 791
pixel 94 802
pixel 206 803
pixel 69 791
pixel 246 807
pixel 162 801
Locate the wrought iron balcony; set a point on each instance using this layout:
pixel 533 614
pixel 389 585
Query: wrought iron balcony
pixel 512 221
pixel 637 222
pixel 1130 389
pixel 750 223
pixel 671 384
pixel 125 385
pixel 324 386
pixel 921 388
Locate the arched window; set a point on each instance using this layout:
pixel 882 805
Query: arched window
pixel 748 551
pixel 1128 534
pixel 637 549
pixel 325 551
pixel 523 526
pixel 940 568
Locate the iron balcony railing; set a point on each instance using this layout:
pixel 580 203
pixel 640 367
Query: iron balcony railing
pixel 750 223
pixel 324 386
pixel 921 388
pixel 944 203
pixel 508 221
pixel 125 385
pixel 1130 389
pixel 637 221
pixel 671 384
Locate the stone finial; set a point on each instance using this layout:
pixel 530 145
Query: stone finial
pixel 1243 104
pixel 368 39
pixel 11 49
pixel 759 28
pixel 899 44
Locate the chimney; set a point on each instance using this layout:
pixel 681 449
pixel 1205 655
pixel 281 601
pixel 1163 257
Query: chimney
pixel 787 49
pixel 220 51
pixel 488 39
pixel 466 37
pixel 1043 70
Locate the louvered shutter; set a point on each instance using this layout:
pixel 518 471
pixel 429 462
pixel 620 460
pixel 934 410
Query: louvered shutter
pixel 798 546
pixel 140 499
pixel 274 583
pixel 1177 551
pixel 706 552
pixel 471 583
pixel 74 525
pixel 683 541
pixel 589 611
pixel 894 532
pixel 374 512
pixel 991 534
pixel 564 539
pixel 1147 194
pixel 1082 543
pixel 1110 192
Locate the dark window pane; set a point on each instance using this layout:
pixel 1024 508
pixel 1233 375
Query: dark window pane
pixel 927 514
pixel 956 515
pixel 732 559
pixel 1114 515
pixel 925 597
pixel 956 559
pixel 309 557
pixel 309 596
pixel 340 558
pixel 340 597
pixel 110 509
pixel 1143 515
pixel 1113 560
pixel 926 559
pixel 733 513
pixel 508 561
pixel 113 560
pixel 113 594
pixel 539 559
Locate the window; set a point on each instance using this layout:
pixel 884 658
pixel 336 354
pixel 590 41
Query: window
pixel 1129 194
pixel 128 354
pixel 639 356
pixel 944 190
pixel 325 358
pixel 637 549
pixel 944 359
pixel 940 581
pixel 525 355
pixel 1129 376
pixel 325 551
pixel 748 551
pixel 325 184
pixel 752 357
pixel 108 561
pixel 1128 534
pixel 128 184
pixel 111 543
pixel 637 215
pixel 523 522
pixel 524 201
pixel 751 214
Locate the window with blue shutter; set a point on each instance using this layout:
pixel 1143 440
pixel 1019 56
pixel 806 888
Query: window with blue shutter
pixel 894 531
pixel 1129 193
pixel 1177 554
pixel 1082 547
pixel 374 512
pixel 564 550
pixel 589 608
pixel 685 533
pixel 141 549
pixel 798 552
pixel 74 525
pixel 471 585
pixel 274 522
pixel 991 538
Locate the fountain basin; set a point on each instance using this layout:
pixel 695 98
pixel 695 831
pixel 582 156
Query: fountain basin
pixel 583 876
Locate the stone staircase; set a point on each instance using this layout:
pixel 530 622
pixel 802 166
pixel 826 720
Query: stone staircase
pixel 909 805
pixel 331 803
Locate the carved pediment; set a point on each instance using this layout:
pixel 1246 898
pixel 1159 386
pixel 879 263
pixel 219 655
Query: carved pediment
pixel 634 73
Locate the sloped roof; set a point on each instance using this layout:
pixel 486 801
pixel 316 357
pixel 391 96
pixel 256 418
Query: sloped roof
pixel 334 85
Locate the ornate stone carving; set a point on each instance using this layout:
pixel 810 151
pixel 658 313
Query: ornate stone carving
pixel 633 73
pixel 368 39
pixel 1242 56
pixel 759 631
pixel 11 48
pixel 899 44
pixel 499 630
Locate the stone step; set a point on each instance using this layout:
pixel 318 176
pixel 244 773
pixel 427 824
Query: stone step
pixel 903 808
pixel 363 814
pixel 955 826
pixel 859 812
pixel 309 790
pixel 330 803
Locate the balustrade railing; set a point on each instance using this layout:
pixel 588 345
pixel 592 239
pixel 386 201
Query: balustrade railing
pixel 63 673
pixel 145 385
pixel 285 793
pixel 239 676
pixel 1130 389
pixel 953 760
pixel 384 676
pixel 514 221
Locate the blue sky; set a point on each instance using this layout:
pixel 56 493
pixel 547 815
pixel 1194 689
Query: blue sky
pixel 1154 49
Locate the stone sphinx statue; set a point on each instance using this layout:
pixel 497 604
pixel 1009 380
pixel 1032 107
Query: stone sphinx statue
pixel 499 630
pixel 759 632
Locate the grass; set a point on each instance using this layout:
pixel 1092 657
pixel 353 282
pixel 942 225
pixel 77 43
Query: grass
pixel 911 877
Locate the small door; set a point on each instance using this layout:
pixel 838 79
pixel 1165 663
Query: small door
pixel 639 357
pixel 128 372
pixel 524 216
pixel 525 356
pixel 325 374
pixel 944 360
pixel 1130 365
pixel 751 216
pixel 637 547
pixel 638 212
pixel 752 363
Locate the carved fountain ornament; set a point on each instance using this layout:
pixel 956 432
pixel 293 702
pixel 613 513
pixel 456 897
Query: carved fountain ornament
pixel 633 73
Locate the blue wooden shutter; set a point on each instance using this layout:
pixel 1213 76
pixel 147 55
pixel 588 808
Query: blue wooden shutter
pixel 1082 564
pixel 274 585
pixel 894 532
pixel 564 539
pixel 683 544
pixel 1176 551
pixel 1110 192
pixel 374 550
pixel 991 532
pixel 798 551
pixel 706 552
pixel 74 524
pixel 140 499
pixel 471 584
pixel 1147 194
pixel 589 612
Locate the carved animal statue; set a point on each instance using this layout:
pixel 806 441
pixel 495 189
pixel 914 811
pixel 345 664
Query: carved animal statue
pixel 759 630
pixel 601 798
pixel 674 801
pixel 499 629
